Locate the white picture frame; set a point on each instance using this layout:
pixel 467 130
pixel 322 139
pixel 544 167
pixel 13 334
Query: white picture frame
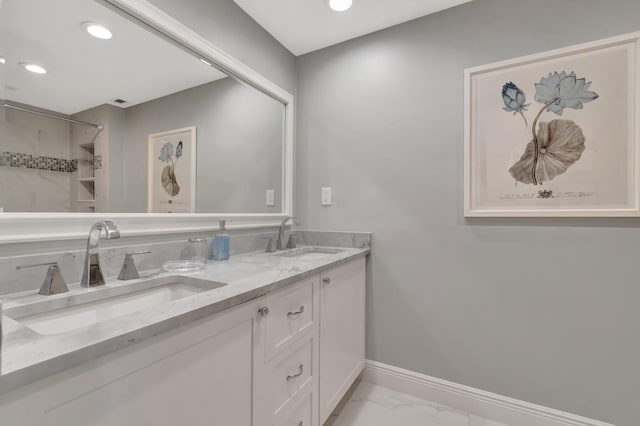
pixel 171 188
pixel 579 155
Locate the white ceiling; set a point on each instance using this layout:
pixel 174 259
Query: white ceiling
pixel 303 26
pixel 84 72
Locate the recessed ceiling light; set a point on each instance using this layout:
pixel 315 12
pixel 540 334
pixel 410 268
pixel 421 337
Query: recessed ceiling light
pixel 96 30
pixel 2 60
pixel 33 68
pixel 340 5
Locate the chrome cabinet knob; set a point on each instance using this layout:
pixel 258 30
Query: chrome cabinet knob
pixel 264 311
pixel 326 280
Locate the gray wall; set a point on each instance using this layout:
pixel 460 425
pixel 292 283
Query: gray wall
pixel 541 310
pixel 239 146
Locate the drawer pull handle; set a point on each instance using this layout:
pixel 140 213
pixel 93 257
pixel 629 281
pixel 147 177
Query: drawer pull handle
pixel 298 374
pixel 296 313
pixel 326 280
pixel 264 311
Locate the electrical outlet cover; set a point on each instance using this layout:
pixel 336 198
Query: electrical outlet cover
pixel 326 196
pixel 271 197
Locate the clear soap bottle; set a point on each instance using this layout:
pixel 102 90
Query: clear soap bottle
pixel 221 243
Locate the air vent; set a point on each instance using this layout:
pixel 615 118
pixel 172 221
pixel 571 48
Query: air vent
pixel 119 102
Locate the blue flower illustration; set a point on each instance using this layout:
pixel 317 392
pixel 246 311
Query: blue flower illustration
pixel 561 90
pixel 179 150
pixel 166 152
pixel 514 100
pixel 558 144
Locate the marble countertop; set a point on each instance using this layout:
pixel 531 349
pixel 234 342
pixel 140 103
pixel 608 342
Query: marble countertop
pixel 28 356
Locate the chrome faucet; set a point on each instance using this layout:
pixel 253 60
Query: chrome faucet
pixel 91 272
pixel 280 244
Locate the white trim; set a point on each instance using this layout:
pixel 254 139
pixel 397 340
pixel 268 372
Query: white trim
pixel 485 404
pixel 32 227
pixel 552 54
pixel 29 227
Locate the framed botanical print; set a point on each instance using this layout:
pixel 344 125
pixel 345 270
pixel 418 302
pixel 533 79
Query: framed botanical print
pixel 172 171
pixel 555 134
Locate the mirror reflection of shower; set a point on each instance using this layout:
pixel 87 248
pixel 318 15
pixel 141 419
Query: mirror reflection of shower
pixel 48 161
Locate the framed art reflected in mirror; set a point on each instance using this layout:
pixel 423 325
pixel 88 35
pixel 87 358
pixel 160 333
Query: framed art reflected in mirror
pixel 172 171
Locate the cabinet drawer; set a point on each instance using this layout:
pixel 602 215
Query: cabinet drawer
pixel 291 313
pixel 301 414
pixel 288 376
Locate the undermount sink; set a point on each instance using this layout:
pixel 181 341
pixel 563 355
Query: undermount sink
pixel 310 253
pixel 83 309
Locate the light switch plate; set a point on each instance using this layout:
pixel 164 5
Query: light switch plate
pixel 326 196
pixel 271 197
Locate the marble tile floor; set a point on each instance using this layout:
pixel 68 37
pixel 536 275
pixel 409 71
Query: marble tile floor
pixel 372 405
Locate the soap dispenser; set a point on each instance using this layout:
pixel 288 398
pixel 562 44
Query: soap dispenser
pixel 221 243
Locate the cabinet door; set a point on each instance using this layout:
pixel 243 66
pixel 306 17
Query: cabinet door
pixel 341 332
pixel 200 374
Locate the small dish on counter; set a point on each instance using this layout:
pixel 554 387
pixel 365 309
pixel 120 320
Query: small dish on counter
pixel 183 266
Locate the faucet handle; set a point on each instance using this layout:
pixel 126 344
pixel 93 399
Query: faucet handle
pixel 270 248
pixel 53 281
pixel 129 270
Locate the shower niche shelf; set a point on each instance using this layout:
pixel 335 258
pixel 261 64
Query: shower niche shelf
pixel 86 181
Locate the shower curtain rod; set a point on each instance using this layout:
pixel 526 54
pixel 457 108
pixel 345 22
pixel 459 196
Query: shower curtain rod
pixel 44 114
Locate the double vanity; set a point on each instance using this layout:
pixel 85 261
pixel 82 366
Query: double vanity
pixel 261 339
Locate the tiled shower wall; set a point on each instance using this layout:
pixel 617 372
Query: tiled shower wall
pixel 35 165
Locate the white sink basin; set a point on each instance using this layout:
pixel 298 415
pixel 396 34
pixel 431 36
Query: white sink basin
pixel 50 319
pixel 310 253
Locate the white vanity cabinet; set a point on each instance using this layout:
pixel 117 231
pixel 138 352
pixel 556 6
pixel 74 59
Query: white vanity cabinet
pixel 342 315
pixel 284 359
pixel 323 347
pixel 199 374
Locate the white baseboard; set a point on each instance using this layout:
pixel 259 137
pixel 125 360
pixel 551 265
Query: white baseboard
pixel 484 404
